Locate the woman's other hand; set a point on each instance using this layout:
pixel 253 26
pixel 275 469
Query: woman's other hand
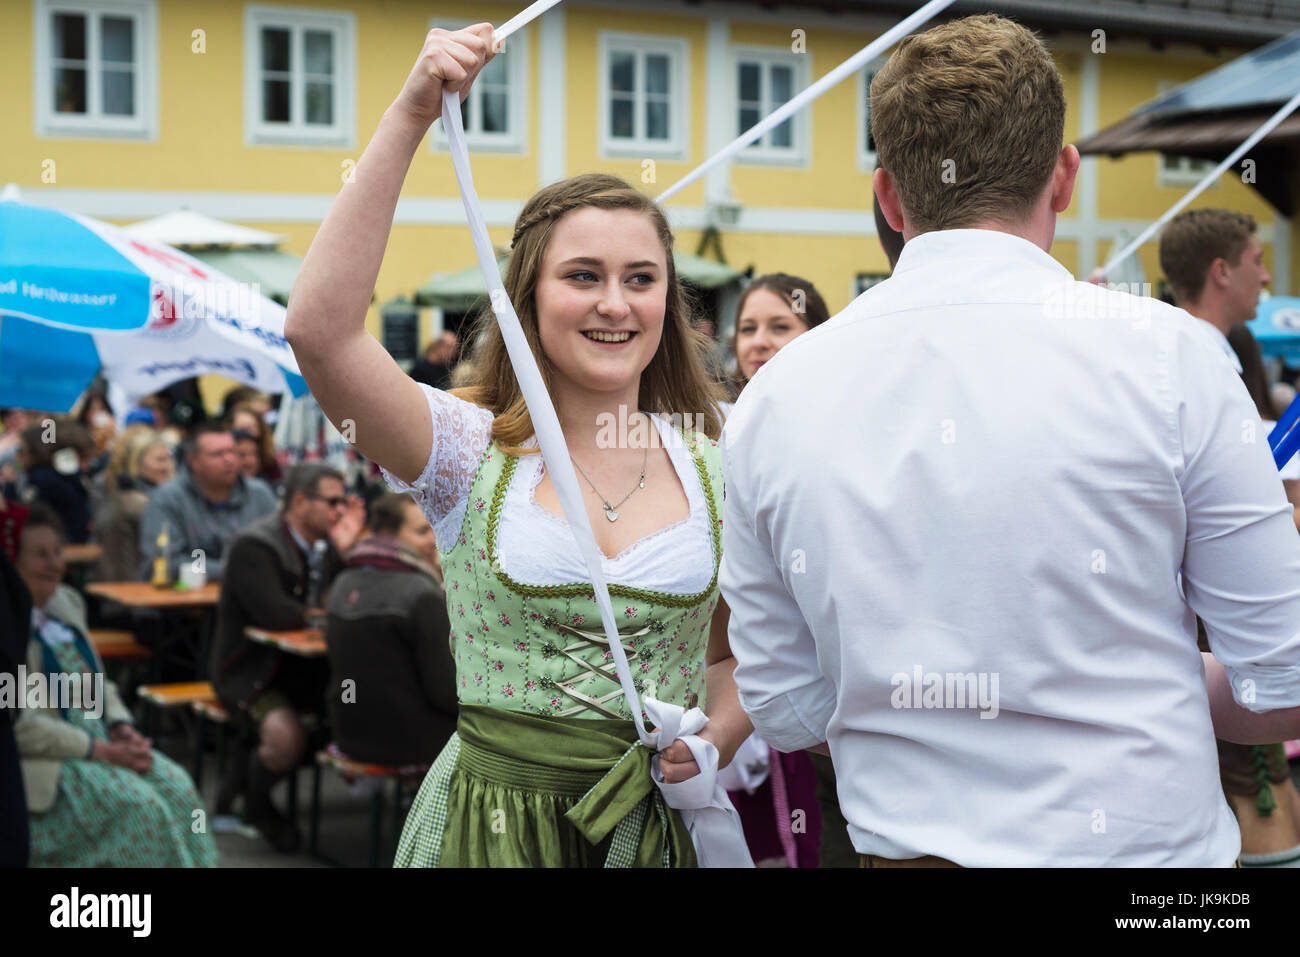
pixel 449 60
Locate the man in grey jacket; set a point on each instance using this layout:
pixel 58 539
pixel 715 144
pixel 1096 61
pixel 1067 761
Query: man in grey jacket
pixel 205 506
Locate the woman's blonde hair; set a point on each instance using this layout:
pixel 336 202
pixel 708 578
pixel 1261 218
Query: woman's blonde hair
pixel 130 446
pixel 676 380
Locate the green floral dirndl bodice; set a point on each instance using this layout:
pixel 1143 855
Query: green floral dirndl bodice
pixel 539 652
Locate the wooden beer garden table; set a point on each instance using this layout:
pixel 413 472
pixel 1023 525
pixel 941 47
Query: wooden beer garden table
pixel 185 649
pixel 144 595
pixel 304 642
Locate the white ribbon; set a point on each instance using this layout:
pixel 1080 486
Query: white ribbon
pixel 806 96
pixel 706 809
pixel 1267 127
pixel 715 832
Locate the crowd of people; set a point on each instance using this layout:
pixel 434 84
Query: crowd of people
pixel 217 494
pixel 893 506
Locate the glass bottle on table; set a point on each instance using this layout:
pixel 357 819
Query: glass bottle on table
pixel 162 577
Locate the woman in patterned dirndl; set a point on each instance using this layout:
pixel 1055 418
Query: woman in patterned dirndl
pixel 98 795
pixel 546 768
pixel 777 795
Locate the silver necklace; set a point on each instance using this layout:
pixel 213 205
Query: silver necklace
pixel 611 511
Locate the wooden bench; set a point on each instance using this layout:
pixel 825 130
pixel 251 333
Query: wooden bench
pixel 351 770
pixel 112 644
pixel 179 694
pixel 191 694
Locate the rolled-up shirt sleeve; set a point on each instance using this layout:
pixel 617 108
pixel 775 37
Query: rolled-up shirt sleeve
pixel 1241 564
pixel 781 685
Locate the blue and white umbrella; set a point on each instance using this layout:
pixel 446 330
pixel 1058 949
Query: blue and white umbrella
pixel 79 297
pixel 1277 328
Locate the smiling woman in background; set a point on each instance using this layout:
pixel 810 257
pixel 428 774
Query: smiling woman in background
pixel 774 311
pixel 764 784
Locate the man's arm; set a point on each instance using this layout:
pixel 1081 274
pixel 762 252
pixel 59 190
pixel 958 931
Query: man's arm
pixel 1241 560
pixel 780 683
pixel 1234 723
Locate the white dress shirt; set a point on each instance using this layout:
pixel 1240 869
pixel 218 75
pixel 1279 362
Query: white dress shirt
pixel 983 467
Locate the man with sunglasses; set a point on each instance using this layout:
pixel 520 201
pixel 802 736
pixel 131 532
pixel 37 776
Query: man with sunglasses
pixel 266 585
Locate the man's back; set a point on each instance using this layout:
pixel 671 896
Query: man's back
pixel 979 484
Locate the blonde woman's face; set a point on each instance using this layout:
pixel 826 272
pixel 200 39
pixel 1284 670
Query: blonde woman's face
pixel 157 465
pixel 243 419
pixel 766 325
pixel 601 297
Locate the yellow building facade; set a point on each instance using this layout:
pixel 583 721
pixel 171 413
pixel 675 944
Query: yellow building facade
pixel 256 112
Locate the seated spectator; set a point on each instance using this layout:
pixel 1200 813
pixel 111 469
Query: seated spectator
pixel 205 506
pixel 97 793
pixel 141 463
pixel 245 420
pixel 95 415
pixel 388 637
pixel 12 423
pixel 266 585
pixel 54 456
pixel 249 451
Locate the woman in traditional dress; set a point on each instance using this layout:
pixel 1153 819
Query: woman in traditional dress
pixel 98 795
pixel 776 794
pixel 546 768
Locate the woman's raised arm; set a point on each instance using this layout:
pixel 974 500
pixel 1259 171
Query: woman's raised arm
pixel 351 375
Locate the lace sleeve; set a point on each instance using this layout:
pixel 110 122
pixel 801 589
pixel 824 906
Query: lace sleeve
pixel 461 431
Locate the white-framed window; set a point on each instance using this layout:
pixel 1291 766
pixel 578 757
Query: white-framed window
pixel 96 68
pixel 299 76
pixel 1183 170
pixel 496 113
pixel 765 79
pixel 644 89
pixel 866 145
pixel 1179 170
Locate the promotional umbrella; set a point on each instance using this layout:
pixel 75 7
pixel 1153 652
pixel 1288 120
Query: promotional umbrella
pixel 1277 328
pixel 79 297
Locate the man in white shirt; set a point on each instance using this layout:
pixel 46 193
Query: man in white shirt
pixel 1216 271
pixel 971 591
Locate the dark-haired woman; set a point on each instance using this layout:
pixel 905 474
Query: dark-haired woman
pixel 775 793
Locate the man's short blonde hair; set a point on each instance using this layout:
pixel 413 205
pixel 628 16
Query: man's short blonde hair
pixel 1193 240
pixel 968 120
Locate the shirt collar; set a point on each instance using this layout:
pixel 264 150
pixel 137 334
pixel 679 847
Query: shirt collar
pixel 1220 341
pixel 298 539
pixel 941 244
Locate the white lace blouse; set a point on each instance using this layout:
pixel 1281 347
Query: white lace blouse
pixel 534 545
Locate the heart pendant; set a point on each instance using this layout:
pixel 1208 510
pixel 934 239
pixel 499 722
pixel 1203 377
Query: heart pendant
pixel 611 514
